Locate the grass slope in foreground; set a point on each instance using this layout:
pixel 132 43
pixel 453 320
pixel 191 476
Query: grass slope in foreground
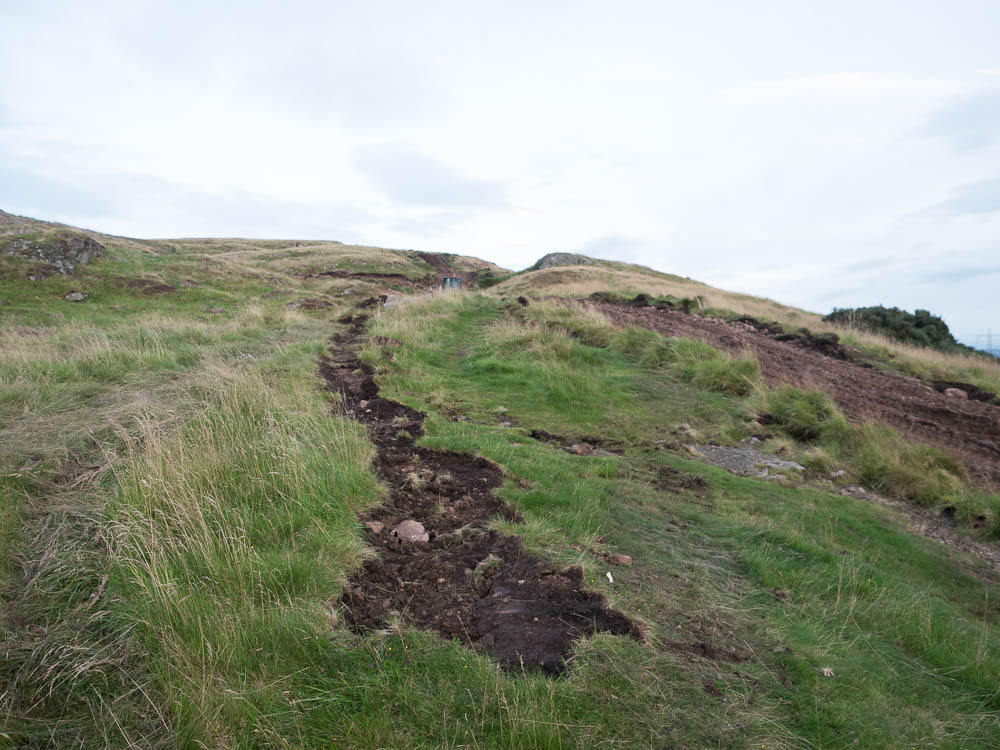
pixel 182 504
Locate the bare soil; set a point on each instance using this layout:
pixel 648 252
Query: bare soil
pixel 467 581
pixel 968 429
pixel 150 286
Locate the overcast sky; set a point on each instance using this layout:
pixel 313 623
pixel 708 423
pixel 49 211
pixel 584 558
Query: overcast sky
pixel 846 155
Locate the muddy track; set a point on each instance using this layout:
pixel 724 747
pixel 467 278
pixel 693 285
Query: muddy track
pixel 968 429
pixel 464 580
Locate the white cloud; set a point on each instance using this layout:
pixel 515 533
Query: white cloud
pixel 852 84
pixel 766 152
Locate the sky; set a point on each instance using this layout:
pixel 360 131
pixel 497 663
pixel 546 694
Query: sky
pixel 821 154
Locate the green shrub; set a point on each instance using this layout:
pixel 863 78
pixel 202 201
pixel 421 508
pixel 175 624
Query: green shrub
pixel 919 328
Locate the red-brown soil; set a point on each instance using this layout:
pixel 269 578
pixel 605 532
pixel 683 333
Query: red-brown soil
pixel 150 286
pixel 467 581
pixel 969 429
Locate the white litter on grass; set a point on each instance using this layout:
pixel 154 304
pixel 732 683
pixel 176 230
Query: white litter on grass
pixel 610 579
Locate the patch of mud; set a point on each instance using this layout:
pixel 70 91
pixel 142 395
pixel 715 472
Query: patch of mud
pixel 967 428
pixel 311 303
pixel 746 461
pixel 706 650
pixel 585 446
pixel 972 391
pixel 150 286
pixel 671 480
pixel 827 344
pixel 465 581
pixel 43 271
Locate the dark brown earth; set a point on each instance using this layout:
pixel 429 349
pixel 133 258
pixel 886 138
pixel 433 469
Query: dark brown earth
pixel 467 581
pixel 969 429
pixel 150 286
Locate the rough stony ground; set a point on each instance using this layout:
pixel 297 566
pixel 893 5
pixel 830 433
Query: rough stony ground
pixel 439 566
pixel 746 461
pixel 969 429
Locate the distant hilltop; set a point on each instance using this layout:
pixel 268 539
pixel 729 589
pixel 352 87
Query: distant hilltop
pixel 562 259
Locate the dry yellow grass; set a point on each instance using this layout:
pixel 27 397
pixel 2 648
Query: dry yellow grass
pixel 582 281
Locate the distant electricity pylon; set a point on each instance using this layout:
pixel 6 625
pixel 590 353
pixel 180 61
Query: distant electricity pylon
pixel 987 339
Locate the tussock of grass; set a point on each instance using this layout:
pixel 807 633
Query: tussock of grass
pixel 582 322
pixel 877 455
pixel 230 534
pixel 803 414
pixel 699 363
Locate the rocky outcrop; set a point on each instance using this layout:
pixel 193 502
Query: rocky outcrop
pixel 562 259
pixel 65 250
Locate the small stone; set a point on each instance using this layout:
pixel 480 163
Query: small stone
pixel 411 531
pixel 956 393
pixel 578 449
pixel 363 404
pixel 838 473
pixel 375 526
pixel 619 559
pixel 76 296
pixel 442 580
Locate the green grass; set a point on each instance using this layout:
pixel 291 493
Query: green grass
pixel 184 518
pixel 878 456
pixel 802 579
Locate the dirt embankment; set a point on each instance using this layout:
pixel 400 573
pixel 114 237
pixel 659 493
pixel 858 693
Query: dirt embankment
pixel 437 261
pixel 969 429
pixel 439 566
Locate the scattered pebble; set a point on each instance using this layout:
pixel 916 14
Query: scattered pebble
pixel 411 531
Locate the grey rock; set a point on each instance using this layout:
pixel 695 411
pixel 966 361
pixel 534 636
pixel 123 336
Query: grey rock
pixel 562 259
pixel 76 296
pixel 746 461
pixel 411 531
pixel 65 250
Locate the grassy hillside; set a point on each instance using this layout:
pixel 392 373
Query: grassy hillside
pixel 181 503
pixel 628 279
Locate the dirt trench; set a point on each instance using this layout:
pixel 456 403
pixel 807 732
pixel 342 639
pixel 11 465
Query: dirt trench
pixel 968 429
pixel 465 581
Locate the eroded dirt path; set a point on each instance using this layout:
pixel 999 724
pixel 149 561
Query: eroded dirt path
pixel 465 581
pixel 969 429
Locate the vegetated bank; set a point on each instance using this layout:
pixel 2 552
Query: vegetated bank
pixel 183 507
